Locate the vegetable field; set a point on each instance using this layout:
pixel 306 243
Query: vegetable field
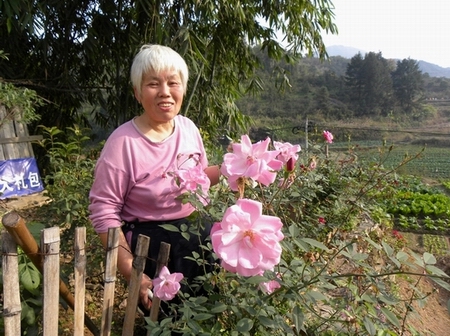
pixel 426 161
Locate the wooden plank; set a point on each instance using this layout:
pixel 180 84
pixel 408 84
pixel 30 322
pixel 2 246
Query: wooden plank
pixel 50 249
pixel 110 280
pixel 15 141
pixel 9 132
pixel 11 291
pixel 137 271
pixel 80 280
pixel 27 138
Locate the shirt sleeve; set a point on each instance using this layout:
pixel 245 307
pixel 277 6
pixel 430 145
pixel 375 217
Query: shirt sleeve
pixel 107 196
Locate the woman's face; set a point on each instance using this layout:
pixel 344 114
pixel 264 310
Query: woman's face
pixel 161 95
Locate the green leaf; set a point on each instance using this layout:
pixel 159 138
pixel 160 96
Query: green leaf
pixel 388 249
pixel 256 280
pixel 218 308
pixel 376 245
pixel 402 256
pixel 315 243
pixel 244 325
pixel 316 296
pixel 428 258
pixel 436 271
pixel 370 327
pixel 448 306
pixel 268 322
pixel 29 276
pixel 202 316
pixel 441 283
pixel 170 227
pixel 298 318
pixel 28 315
pixel 391 316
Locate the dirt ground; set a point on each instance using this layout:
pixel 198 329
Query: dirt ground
pixel 431 320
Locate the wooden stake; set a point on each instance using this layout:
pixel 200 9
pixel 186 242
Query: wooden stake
pixel 11 292
pixel 137 271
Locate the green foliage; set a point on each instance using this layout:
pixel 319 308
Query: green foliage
pixel 68 177
pixel 88 46
pixel 338 267
pixel 20 103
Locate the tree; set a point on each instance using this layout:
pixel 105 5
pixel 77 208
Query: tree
pixel 355 81
pixel 79 52
pixel 371 84
pixel 408 84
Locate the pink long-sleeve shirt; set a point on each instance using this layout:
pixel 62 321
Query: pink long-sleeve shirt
pixel 134 176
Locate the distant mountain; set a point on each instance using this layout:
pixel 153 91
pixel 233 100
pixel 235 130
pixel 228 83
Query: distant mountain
pixel 343 51
pixel 434 70
pixel 348 52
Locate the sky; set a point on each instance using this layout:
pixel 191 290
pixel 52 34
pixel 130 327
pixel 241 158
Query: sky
pixel 399 29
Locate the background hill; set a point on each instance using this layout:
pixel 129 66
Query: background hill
pixel 348 52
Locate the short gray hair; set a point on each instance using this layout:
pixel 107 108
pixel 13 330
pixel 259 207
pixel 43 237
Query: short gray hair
pixel 157 58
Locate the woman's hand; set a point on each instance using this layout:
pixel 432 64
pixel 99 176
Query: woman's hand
pixel 146 284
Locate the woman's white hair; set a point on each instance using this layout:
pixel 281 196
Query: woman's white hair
pixel 157 58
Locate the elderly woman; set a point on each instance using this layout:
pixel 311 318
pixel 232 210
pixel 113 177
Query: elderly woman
pixel 135 185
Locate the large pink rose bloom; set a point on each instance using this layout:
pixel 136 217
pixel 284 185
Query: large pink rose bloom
pixel 253 161
pixel 247 241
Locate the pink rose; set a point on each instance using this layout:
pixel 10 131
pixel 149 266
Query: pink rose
pixel 167 285
pixel 252 161
pixel 328 136
pixel 247 241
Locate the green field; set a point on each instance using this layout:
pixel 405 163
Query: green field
pixel 431 162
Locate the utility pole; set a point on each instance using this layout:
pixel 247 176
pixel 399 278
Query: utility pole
pixel 306 134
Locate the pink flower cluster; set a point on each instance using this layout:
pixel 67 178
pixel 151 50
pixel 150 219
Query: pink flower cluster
pixel 288 154
pixel 253 161
pixel 191 178
pixel 247 241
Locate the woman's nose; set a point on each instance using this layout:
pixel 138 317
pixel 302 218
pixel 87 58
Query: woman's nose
pixel 164 89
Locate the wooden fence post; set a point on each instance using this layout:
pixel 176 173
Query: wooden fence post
pixel 163 258
pixel 110 279
pixel 80 280
pixel 50 250
pixel 141 254
pixel 11 292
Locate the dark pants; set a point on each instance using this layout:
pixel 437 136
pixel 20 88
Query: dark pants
pixel 180 248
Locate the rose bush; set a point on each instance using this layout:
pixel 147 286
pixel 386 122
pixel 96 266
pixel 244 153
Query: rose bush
pixel 326 278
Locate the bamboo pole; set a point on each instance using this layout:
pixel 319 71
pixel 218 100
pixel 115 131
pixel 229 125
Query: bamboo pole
pixel 139 260
pixel 11 292
pixel 110 279
pixel 80 280
pixel 50 247
pixel 17 228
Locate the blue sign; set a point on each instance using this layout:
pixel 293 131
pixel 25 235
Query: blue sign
pixel 19 177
